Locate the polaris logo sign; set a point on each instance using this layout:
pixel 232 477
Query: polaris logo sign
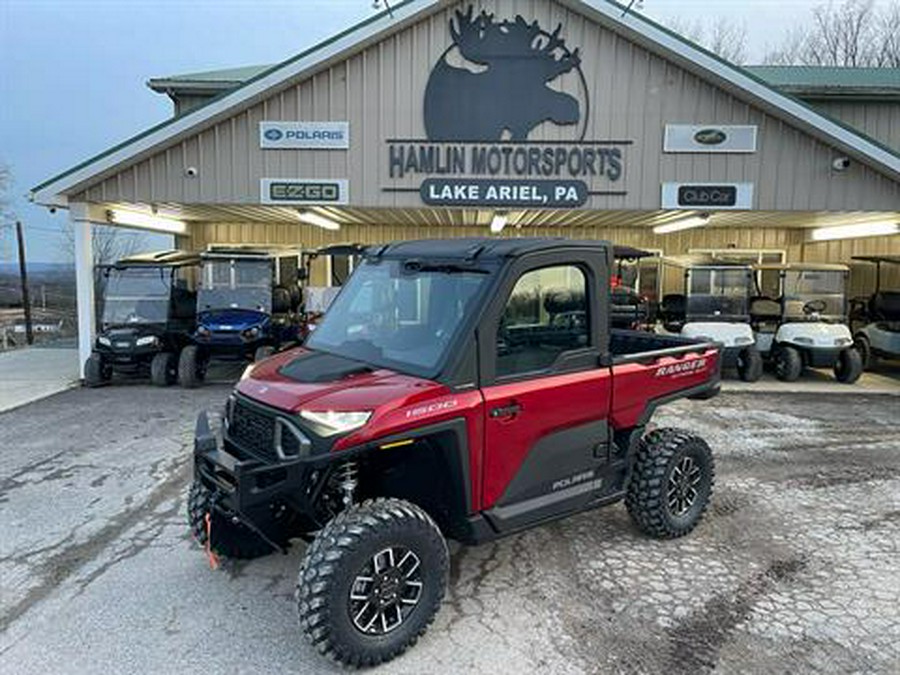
pixel 304 135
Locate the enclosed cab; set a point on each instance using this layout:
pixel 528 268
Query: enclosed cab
pixel 461 389
pixel 875 318
pixel 248 302
pixel 708 298
pixel 805 326
pixel 149 309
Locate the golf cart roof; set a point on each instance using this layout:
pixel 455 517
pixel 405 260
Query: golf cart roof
pixel 340 249
pixel 701 260
pixel 630 253
pixel 803 267
pixel 157 259
pixel 894 259
pixel 249 252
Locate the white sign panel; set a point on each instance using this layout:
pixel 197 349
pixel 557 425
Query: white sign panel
pixel 301 192
pixel 304 135
pixel 708 196
pixel 710 138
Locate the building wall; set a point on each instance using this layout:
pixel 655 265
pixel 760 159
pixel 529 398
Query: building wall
pixel 789 240
pixel 878 119
pixel 633 94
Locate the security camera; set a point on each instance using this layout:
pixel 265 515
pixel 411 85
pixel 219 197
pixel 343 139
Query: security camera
pixel 191 171
pixel 840 163
pixel 52 210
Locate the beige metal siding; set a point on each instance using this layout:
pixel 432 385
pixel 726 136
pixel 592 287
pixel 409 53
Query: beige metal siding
pixel 878 119
pixel 380 90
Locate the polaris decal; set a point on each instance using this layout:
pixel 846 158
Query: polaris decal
pixel 433 408
pixel 572 480
pixel 682 368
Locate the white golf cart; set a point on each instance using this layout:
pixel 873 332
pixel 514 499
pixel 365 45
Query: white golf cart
pixel 709 299
pixel 876 318
pixel 806 326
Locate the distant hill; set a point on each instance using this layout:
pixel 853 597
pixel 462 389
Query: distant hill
pixel 37 268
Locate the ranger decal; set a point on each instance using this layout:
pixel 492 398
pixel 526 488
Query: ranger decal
pixel 681 368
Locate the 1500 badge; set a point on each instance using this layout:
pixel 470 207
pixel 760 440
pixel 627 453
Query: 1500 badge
pixel 682 368
pixel 433 408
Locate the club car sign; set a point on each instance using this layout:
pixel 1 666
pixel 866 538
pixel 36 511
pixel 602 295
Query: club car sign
pixel 487 93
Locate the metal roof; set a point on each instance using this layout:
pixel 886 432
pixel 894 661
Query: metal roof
pixel 893 259
pixel 480 248
pixel 635 27
pixel 172 258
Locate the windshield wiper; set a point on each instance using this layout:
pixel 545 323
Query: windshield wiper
pixel 444 267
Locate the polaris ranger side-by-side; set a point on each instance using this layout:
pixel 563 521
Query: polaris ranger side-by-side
pixel 149 310
pixel 247 305
pixel 444 396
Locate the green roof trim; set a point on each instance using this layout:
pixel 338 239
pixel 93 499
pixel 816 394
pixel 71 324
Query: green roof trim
pixel 828 77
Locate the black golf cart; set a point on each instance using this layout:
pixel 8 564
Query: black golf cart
pixel 875 318
pixel 247 308
pixel 149 308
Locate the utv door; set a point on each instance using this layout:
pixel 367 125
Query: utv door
pixel 546 407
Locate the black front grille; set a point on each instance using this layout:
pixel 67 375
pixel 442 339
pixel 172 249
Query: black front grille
pixel 253 430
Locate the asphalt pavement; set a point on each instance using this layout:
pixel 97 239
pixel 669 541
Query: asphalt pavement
pixel 796 568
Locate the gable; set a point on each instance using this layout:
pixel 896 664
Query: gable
pixel 625 91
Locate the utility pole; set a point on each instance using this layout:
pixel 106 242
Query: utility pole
pixel 26 302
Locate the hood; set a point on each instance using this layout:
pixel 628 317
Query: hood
pixel 131 331
pixel 331 383
pixel 231 319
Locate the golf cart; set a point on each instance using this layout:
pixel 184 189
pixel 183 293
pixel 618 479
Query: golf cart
pixel 707 298
pixel 247 308
pixel 806 326
pixel 341 259
pixel 877 317
pixel 149 310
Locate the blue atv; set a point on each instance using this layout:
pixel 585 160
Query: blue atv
pixel 247 309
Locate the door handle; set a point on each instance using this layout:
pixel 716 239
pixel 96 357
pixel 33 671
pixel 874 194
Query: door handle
pixel 510 410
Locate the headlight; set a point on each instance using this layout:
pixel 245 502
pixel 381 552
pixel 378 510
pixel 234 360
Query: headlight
pixel 105 341
pixel 843 342
pixel 203 331
pixel 147 340
pixel 248 371
pixel 743 340
pixel 330 423
pixel 804 340
pixel 250 333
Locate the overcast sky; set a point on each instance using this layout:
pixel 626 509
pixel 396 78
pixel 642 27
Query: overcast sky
pixel 73 72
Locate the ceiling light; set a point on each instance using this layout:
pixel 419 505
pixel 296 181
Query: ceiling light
pixel 683 224
pixel 146 221
pixel 313 218
pixel 498 222
pixel 853 231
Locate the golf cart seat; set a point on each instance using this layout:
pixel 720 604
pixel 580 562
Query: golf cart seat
pixel 764 310
pixel 672 311
pixel 885 306
pixel 281 300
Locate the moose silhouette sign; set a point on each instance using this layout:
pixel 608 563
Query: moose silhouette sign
pixel 509 92
pixel 490 92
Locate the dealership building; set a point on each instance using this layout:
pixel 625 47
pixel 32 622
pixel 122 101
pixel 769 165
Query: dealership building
pixel 566 118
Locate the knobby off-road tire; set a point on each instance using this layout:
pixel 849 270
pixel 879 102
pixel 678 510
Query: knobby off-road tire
pixel 788 363
pixel 750 364
pixel 671 483
pixel 163 369
pixel 96 373
pixel 229 539
pixel 849 366
pixel 189 367
pixel 342 586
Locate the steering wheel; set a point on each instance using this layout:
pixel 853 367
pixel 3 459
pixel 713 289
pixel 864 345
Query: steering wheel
pixel 815 307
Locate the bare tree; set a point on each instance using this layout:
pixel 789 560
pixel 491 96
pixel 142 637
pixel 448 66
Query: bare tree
pixel 109 243
pixel 854 33
pixel 723 36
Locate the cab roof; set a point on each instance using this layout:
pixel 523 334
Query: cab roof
pixel 702 260
pixel 481 248
pixel 158 259
pixel 803 267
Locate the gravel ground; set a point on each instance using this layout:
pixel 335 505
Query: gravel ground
pixel 795 569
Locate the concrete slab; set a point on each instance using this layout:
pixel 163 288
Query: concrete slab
pixel 28 375
pixel 883 379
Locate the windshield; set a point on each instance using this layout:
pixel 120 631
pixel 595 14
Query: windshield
pixel 821 291
pixel 137 295
pixel 236 284
pixel 718 292
pixel 397 319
